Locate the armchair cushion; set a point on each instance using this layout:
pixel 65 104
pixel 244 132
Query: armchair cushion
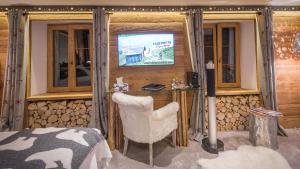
pixel 164 112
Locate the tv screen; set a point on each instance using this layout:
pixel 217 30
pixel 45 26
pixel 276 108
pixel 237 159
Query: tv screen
pixel 146 49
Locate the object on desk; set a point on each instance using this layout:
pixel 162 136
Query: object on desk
pixel 153 87
pixel 263 127
pixel 120 86
pixel 192 79
pixel 178 84
pixel 119 80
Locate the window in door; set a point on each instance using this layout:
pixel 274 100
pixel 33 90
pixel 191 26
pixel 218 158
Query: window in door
pixel 69 57
pixel 225 54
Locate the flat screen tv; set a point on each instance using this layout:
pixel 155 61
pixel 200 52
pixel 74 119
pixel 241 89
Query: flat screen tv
pixel 148 49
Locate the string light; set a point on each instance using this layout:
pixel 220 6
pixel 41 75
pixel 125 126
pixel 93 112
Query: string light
pixel 158 8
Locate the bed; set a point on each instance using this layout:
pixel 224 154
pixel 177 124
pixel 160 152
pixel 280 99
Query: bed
pixel 82 148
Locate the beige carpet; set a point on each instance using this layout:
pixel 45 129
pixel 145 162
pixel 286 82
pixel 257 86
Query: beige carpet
pixel 186 157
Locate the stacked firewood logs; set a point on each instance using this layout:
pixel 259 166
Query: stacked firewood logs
pixel 67 113
pixel 233 111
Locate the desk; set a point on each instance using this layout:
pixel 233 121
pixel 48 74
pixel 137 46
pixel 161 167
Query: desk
pixel 115 130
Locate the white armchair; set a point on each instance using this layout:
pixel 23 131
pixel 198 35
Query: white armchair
pixel 143 124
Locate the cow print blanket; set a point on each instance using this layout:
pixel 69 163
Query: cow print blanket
pixel 49 147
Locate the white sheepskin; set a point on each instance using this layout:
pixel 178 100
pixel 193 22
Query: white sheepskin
pixel 246 157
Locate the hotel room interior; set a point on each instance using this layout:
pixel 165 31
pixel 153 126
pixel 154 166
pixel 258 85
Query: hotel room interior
pixel 134 84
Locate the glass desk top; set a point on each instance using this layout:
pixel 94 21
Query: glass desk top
pixel 162 91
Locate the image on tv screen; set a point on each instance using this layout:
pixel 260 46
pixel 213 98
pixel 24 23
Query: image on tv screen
pixel 145 49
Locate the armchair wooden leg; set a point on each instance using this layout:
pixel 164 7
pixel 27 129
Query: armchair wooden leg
pixel 151 155
pixel 125 145
pixel 174 138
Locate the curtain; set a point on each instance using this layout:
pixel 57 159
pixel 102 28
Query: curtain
pixel 12 111
pixel 194 21
pixel 266 60
pixel 100 67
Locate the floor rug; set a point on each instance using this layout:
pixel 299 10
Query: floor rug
pixel 246 157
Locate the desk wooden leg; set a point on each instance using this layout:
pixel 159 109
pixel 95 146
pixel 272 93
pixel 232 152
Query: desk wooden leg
pixel 116 118
pixel 119 129
pixel 182 130
pixel 111 125
pixel 184 118
pixel 176 97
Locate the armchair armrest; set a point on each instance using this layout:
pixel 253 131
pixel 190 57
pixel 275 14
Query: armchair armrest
pixel 169 109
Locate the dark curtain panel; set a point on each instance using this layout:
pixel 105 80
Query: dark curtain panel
pixel 267 60
pixel 12 111
pixel 99 116
pixel 196 42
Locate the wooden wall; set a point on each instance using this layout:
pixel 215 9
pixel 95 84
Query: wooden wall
pixel 140 76
pixel 3 51
pixel 287 67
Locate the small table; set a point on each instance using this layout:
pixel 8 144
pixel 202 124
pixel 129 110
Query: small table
pixel 263 130
pixel 115 129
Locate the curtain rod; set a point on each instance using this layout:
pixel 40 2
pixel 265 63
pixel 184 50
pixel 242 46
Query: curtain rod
pixel 258 12
pixel 59 13
pixel 223 13
pixel 110 13
pixel 212 8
